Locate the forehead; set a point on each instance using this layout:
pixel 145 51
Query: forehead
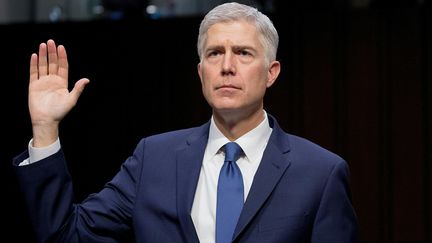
pixel 233 32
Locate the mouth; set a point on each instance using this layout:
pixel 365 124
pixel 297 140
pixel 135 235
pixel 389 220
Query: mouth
pixel 227 87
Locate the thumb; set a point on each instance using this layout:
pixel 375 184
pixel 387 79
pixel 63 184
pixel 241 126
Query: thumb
pixel 79 88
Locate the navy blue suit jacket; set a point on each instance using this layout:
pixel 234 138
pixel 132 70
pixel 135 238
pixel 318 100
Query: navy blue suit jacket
pixel 300 193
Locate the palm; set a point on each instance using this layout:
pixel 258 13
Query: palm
pixel 49 97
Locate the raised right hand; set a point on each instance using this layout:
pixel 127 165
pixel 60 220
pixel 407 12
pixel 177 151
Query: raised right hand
pixel 49 98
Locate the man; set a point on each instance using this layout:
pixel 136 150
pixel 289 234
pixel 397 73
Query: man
pixel 176 186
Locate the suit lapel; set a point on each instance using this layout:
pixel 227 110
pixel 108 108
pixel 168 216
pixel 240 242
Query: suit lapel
pixel 273 165
pixel 189 161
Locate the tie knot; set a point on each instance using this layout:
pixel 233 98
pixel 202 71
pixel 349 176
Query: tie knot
pixel 232 151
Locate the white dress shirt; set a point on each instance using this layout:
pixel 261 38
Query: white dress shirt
pixel 253 144
pixel 36 154
pixel 203 212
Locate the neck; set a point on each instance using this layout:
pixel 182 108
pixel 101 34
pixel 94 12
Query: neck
pixel 234 125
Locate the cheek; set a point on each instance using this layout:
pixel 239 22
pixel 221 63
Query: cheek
pixel 257 88
pixel 256 92
pixel 206 89
pixel 207 80
pixel 256 80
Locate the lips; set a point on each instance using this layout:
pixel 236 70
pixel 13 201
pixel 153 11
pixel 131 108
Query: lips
pixel 227 86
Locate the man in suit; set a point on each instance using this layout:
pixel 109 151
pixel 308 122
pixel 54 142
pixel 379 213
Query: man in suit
pixel 170 189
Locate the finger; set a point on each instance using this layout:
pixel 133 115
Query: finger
pixel 42 65
pixel 33 67
pixel 79 88
pixel 63 65
pixel 52 57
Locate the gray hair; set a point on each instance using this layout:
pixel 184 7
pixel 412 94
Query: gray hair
pixel 228 12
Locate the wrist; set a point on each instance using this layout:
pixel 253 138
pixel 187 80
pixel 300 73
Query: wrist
pixel 44 135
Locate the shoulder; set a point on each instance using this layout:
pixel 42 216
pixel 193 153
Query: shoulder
pixel 172 135
pixel 300 148
pixel 310 160
pixel 305 147
pixel 308 155
pixel 174 139
pixel 321 162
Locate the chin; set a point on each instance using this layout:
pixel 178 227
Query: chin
pixel 225 106
pixel 227 109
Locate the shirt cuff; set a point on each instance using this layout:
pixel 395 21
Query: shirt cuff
pixel 37 154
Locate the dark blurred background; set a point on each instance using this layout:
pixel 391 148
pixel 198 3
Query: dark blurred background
pixel 356 78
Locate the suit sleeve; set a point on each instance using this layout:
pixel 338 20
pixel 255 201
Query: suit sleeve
pixel 335 220
pixel 103 217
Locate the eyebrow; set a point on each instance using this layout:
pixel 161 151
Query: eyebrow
pixel 235 47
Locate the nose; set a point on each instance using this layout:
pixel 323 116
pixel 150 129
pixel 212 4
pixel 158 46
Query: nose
pixel 228 64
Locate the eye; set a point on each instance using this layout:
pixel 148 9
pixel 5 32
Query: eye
pixel 244 53
pixel 213 53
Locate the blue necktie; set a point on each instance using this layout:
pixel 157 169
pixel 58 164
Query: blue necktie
pixel 229 194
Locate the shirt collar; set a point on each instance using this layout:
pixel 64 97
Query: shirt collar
pixel 252 143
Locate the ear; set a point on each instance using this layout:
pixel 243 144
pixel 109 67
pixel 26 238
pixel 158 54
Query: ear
pixel 199 71
pixel 273 73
